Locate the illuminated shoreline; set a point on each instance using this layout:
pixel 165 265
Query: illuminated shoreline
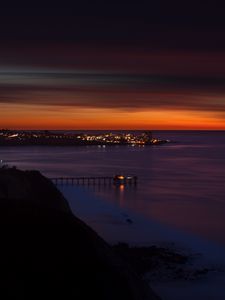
pixel 16 138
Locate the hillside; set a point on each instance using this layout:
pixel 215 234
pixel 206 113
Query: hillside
pixel 47 252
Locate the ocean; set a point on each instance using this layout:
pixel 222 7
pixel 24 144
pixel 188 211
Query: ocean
pixel 180 184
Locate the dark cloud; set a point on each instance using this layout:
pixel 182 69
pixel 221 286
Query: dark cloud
pixel 115 91
pixel 156 24
pixel 99 80
pixel 122 56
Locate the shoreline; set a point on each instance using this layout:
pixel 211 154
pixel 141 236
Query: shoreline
pixel 117 225
pixel 47 250
pixel 8 137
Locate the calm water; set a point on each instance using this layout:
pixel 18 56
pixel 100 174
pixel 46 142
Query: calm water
pixel 181 184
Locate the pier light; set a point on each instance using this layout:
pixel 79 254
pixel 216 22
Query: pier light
pixel 122 187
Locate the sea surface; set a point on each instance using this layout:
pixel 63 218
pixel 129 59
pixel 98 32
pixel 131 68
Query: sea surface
pixel 181 184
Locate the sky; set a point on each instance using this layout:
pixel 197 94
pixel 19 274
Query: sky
pixel 128 65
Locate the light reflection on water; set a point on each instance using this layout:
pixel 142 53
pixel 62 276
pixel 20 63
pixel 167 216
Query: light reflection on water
pixel 182 184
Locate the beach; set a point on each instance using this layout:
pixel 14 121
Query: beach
pixel 206 258
pixel 177 203
pixel 46 251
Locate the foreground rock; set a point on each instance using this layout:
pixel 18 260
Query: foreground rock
pixel 46 252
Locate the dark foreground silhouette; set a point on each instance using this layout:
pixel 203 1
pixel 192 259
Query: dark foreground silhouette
pixel 46 252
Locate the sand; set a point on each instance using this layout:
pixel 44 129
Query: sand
pixel 120 225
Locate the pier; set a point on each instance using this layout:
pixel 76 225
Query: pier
pixel 99 180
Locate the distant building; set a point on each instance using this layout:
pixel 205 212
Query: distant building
pixel 147 136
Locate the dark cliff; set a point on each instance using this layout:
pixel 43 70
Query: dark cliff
pixel 47 252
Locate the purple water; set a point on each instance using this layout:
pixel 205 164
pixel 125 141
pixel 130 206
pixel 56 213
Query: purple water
pixel 181 184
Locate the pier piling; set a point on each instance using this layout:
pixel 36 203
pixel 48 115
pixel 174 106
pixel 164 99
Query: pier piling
pixel 105 180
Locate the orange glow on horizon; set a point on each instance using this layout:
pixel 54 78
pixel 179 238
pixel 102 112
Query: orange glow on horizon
pixel 18 116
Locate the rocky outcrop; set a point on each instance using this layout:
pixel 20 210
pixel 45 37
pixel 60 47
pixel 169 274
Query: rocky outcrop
pixel 46 252
pixel 31 187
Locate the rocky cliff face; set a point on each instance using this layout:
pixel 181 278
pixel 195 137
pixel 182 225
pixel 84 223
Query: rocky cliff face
pixel 31 187
pixel 47 252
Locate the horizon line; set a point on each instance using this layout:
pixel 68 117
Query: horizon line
pixel 61 129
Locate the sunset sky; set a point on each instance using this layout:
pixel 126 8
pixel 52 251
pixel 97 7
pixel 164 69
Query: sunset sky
pixel 136 65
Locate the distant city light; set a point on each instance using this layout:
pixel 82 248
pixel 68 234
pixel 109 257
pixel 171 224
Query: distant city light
pixel 103 139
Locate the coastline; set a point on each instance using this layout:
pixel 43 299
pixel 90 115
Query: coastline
pixel 48 138
pixel 22 194
pixel 47 251
pixel 117 225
